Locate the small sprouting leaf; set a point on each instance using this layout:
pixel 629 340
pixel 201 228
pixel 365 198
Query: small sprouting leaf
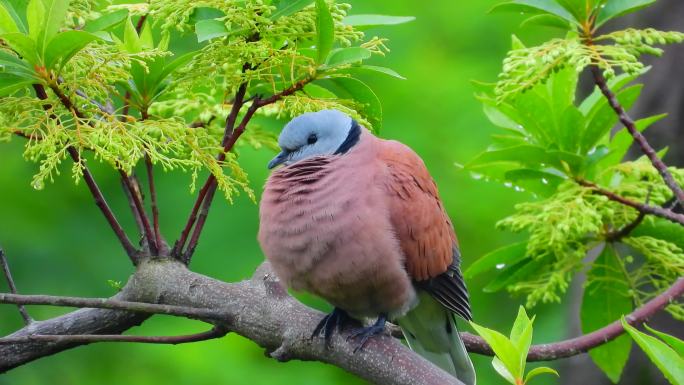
pixel 503 372
pixel 546 6
pixel 537 371
pixel 546 20
pixel 521 336
pixel 368 21
pixel 210 29
pixel 131 40
pixel 325 30
pixel 382 70
pixel 502 347
pixel 348 55
pixel 616 8
pixel 64 46
pixel 288 7
pixel 146 39
pixel 497 259
pixel 674 342
pixel 23 45
pixel 663 356
pixel 106 21
pixel 7 23
pixel 604 301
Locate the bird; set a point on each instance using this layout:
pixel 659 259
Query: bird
pixel 357 220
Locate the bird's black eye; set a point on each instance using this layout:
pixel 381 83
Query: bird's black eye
pixel 312 139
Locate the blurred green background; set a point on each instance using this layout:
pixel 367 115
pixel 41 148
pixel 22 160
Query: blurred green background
pixel 58 243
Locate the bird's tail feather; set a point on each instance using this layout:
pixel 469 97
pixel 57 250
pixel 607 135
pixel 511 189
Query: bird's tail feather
pixel 430 331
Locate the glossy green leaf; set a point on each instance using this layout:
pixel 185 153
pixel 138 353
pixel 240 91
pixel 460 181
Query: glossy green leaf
pixel 368 21
pixel 615 84
pixel 674 342
pixel 537 371
pixel 539 182
pixel 64 46
pixel 605 300
pixel 376 69
pixel 602 117
pixel 354 89
pixel 18 21
pixel 209 29
pixel 513 273
pixel 502 347
pixel 35 18
pixel 546 20
pixel 617 8
pixel 497 259
pixel 503 371
pixel 580 9
pixel 55 13
pixel 288 7
pixel 23 45
pixel 325 30
pixel 10 83
pixel 348 55
pixel 146 39
pixel 521 337
pixel 622 140
pixel 7 23
pixel 106 21
pixel 664 357
pixel 548 6
pixel 156 79
pixel 131 39
pixel 318 92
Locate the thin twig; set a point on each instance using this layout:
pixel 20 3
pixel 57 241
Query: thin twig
pixel 646 148
pixel 136 215
pixel 616 235
pixel 112 304
pixel 215 332
pixel 648 209
pixel 13 288
pixel 137 201
pixel 155 208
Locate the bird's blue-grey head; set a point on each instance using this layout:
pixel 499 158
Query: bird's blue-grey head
pixel 319 133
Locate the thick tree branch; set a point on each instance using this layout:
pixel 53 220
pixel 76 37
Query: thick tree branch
pixel 641 207
pixel 215 332
pixel 13 288
pixel 258 309
pixel 646 148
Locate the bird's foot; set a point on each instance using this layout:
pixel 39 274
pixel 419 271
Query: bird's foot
pixel 365 333
pixel 329 324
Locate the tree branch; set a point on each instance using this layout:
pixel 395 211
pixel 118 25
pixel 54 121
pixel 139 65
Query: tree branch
pixel 13 288
pixel 258 308
pixel 137 202
pixel 646 148
pixel 161 245
pixel 215 332
pixel 641 207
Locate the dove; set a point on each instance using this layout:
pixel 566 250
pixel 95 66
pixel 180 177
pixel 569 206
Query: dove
pixel 358 221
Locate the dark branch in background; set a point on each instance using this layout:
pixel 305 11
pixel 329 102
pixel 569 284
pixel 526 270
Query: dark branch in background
pixel 638 137
pixel 13 288
pixel 641 207
pixel 215 332
pixel 231 135
pixel 258 308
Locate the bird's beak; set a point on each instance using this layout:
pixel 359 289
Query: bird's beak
pixel 279 159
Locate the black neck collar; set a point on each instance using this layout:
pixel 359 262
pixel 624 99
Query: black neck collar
pixel 352 138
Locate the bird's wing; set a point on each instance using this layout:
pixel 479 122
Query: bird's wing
pixel 423 228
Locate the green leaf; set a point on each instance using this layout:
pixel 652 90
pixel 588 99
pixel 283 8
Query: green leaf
pixel 674 342
pixel 663 356
pixel 376 69
pixel 580 9
pixel 503 372
pixel 499 259
pixel 325 30
pixel 661 229
pixel 131 40
pixel 23 45
pixel 55 12
pixel 546 20
pixel 619 145
pixel 368 21
pixel 605 300
pixel 10 83
pixel 348 55
pixel 537 371
pixel 521 337
pixel 354 89
pixel 106 21
pixel 547 6
pixel 615 84
pixel 602 117
pixel 64 46
pixel 7 23
pixel 539 182
pixel 15 16
pixel 288 7
pixel 35 18
pixel 617 8
pixel 156 80
pixel 502 347
pixel 209 29
pixel 514 273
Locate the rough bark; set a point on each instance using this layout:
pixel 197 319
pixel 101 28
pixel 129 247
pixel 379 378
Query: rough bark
pixel 258 309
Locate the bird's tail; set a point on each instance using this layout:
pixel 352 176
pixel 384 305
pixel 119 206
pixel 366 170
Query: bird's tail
pixel 430 331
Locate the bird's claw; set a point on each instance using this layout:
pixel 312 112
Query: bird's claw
pixel 329 324
pixel 365 333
